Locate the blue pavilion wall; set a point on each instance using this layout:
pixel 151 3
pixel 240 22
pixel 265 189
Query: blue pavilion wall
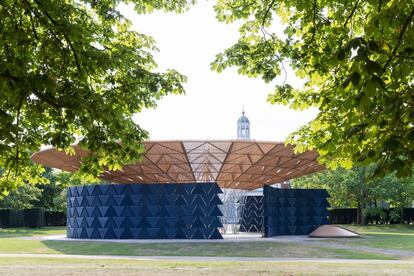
pixel 294 211
pixel 252 215
pixel 144 211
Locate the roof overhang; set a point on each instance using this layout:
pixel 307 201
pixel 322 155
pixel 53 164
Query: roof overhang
pixel 240 164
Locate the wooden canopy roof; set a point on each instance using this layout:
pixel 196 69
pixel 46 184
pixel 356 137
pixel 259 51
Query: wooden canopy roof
pixel 240 164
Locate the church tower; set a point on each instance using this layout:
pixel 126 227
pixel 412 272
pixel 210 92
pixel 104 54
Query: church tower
pixel 243 127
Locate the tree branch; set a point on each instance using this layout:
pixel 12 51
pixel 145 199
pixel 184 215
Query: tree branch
pixel 72 48
pixel 399 40
pixel 352 13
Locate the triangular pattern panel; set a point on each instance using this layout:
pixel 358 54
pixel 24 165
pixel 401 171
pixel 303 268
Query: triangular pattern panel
pixel 144 211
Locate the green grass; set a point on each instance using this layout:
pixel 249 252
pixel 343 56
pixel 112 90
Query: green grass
pixel 26 240
pixel 399 237
pixel 74 266
pixel 30 232
pixel 250 249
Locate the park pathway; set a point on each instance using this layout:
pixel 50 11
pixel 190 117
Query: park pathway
pixel 203 259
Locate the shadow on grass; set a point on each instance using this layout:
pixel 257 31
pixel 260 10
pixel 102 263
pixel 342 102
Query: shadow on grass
pixel 245 249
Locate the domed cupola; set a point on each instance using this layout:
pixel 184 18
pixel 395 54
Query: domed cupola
pixel 243 127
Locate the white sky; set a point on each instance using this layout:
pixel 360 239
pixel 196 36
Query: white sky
pixel 213 102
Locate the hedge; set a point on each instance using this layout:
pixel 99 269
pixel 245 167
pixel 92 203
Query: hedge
pixel 35 218
pixel 349 215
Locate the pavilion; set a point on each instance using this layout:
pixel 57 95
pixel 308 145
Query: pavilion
pixel 173 191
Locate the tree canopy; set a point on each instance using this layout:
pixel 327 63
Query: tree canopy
pixel 357 60
pixel 74 70
pixel 354 188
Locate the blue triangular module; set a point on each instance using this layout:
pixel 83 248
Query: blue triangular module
pixel 198 212
pixel 111 190
pixel 198 189
pixel 104 200
pixel 144 223
pixel 119 189
pixel 188 220
pixel 103 222
pixel 135 232
pixel 154 210
pixel 180 234
pixel 198 223
pixel 180 201
pixel 188 232
pixel 161 234
pixel 215 212
pixel 111 223
pixel 137 211
pixel 127 212
pixel 96 201
pixel 136 221
pixel 118 232
pixel 143 234
pixel 118 210
pixel 198 234
pixel 170 189
pixel 90 189
pixel 89 211
pixel 96 190
pixel 215 235
pixel 89 232
pixel 171 221
pixel 180 223
pixel 127 189
pixel 111 212
pixel 102 232
pixel 153 232
pixel 119 199
pixel 118 221
pixel 136 188
pixel 127 234
pixel 215 200
pixel 189 198
pixel 180 189
pixel 170 199
pixel 163 212
pixel 171 232
pixel 84 234
pixel 104 188
pixel 153 221
pixel 89 200
pixel 136 199
pixel 189 187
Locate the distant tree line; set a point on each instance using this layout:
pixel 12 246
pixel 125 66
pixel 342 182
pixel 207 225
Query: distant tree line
pixel 51 196
pixel 356 188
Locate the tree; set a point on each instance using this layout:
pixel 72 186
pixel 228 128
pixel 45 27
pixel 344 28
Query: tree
pixel 355 188
pixel 357 59
pixel 24 197
pixel 75 71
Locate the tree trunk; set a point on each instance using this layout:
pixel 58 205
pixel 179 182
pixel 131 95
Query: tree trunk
pixel 358 213
pixel 363 214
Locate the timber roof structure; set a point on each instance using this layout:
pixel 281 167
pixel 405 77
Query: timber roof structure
pixel 237 164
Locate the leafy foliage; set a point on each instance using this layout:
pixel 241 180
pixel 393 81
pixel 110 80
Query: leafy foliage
pixel 355 188
pixel 357 59
pixel 74 70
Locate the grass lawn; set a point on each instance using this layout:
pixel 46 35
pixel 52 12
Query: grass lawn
pixel 74 266
pixel 24 240
pixel 400 237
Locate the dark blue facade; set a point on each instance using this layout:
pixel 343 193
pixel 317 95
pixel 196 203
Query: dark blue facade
pixel 252 215
pixel 294 211
pixel 144 211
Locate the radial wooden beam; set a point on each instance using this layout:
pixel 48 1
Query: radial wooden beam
pixel 239 164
